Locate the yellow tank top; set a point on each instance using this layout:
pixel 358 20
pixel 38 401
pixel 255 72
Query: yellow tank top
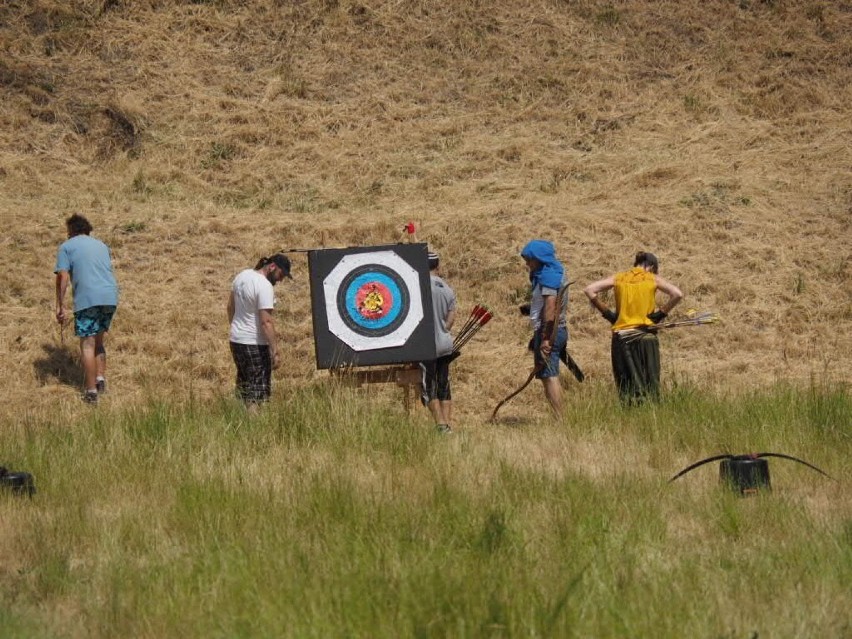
pixel 635 292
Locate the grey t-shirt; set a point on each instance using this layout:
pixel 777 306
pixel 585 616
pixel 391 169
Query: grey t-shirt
pixel 537 305
pixel 443 301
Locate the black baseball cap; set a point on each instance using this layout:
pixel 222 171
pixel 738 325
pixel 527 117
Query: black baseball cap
pixel 283 262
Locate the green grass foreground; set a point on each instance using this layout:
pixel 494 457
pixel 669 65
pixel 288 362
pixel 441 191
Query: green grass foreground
pixel 324 516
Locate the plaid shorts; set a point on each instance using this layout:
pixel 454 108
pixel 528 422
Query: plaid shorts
pixel 93 320
pixel 254 371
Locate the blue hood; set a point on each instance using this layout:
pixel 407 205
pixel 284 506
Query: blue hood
pixel 550 273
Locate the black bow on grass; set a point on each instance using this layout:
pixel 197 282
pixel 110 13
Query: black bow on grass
pixel 743 457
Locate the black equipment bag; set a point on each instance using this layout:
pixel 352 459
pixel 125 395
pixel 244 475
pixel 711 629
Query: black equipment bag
pixel 19 483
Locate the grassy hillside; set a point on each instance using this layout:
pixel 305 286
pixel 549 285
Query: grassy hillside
pixel 199 135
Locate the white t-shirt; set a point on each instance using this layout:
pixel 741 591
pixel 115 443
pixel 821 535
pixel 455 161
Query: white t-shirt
pixel 252 293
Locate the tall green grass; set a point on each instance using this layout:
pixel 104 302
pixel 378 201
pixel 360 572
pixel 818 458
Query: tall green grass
pixel 327 516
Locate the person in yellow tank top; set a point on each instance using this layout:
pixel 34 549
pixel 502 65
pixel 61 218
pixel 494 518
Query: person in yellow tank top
pixel 635 350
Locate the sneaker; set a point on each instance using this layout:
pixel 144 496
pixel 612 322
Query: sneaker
pixel 90 397
pixel 445 429
pixel 100 385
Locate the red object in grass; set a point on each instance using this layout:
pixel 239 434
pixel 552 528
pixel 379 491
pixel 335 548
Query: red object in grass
pixel 409 228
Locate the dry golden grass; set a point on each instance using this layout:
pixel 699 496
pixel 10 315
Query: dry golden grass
pixel 198 136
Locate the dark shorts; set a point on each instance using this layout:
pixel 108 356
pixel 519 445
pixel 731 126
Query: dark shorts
pixel 550 368
pixel 254 371
pixel 93 320
pixel 435 380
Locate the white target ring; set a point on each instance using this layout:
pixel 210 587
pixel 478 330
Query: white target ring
pixel 373 300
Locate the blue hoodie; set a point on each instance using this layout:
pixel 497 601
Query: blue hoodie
pixel 549 273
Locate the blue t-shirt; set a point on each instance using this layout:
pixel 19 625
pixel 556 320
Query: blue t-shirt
pixel 87 261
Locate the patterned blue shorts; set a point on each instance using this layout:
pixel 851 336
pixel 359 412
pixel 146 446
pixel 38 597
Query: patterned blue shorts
pixel 550 368
pixel 93 320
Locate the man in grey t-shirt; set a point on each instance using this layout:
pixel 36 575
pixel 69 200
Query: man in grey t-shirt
pixel 435 393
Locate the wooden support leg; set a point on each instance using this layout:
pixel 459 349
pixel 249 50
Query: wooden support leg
pixel 406 399
pixel 408 379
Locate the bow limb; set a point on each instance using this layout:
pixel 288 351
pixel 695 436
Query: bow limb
pixel 557 311
pixel 575 369
pixel 560 299
pixel 511 395
pixel 795 459
pixel 700 463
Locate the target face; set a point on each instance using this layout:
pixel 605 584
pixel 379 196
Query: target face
pixel 373 300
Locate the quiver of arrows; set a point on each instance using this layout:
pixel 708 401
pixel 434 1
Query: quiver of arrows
pixel 479 317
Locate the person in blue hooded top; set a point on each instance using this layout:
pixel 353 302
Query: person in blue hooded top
pixel 547 277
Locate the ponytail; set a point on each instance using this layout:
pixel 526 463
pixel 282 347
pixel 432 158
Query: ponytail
pixel 647 260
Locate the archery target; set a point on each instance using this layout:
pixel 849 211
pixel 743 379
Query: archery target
pixel 371 305
pixel 373 300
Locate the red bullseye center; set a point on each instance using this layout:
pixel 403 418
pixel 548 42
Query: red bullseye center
pixel 374 300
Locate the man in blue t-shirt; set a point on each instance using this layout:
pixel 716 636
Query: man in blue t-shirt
pixel 85 262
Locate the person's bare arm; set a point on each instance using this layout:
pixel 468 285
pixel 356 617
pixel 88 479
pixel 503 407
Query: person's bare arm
pixel 62 279
pixel 450 319
pixel 231 307
pixel 267 327
pixel 593 289
pixel 674 293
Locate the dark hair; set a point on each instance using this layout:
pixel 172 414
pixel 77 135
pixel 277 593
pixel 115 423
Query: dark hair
pixel 279 259
pixel 648 260
pixel 78 225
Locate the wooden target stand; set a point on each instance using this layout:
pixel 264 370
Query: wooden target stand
pixel 407 377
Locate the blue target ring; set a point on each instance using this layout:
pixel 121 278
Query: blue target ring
pixel 387 315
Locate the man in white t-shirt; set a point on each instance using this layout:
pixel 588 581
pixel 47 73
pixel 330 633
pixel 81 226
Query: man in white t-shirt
pixel 254 344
